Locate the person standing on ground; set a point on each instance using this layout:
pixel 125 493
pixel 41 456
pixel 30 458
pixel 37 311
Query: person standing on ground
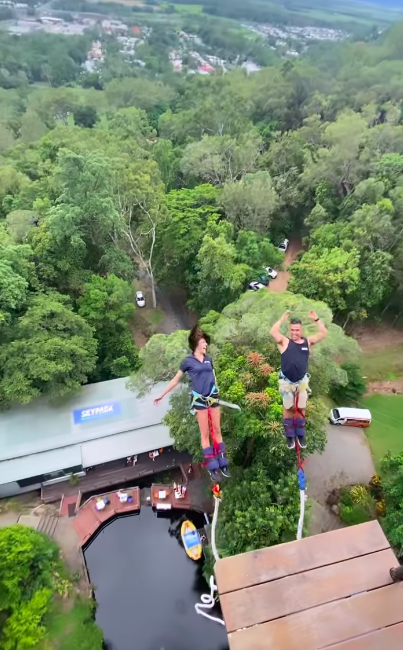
pixel 203 383
pixel 293 378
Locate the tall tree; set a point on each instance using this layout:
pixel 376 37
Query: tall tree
pixel 329 275
pixel 219 277
pixel 51 350
pixel 218 160
pixel 250 203
pixel 180 235
pixel 139 201
pixel 107 305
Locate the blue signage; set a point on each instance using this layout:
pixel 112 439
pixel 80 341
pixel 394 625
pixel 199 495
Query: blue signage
pixel 96 412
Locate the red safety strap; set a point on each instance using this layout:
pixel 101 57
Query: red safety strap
pixel 299 459
pixel 297 410
pixel 216 446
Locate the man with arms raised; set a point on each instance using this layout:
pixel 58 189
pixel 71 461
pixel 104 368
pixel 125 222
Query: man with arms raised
pixel 293 378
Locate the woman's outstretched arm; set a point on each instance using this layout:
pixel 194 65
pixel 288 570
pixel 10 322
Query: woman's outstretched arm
pixel 172 384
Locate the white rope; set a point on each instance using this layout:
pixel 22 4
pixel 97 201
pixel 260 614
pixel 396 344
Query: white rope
pixel 213 528
pixel 301 513
pixel 208 600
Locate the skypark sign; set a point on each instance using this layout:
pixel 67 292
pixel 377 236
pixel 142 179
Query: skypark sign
pixel 96 412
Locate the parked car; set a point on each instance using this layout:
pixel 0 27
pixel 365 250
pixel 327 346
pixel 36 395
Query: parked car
pixel 283 246
pixel 264 279
pixel 270 272
pixel 255 286
pixel 140 300
pixel 350 417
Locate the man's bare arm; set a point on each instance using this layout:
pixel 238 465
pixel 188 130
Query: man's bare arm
pixel 275 330
pixel 322 330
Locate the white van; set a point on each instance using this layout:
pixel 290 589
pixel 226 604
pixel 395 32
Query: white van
pixel 350 417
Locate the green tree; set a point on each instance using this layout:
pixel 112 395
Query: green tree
pixel 85 116
pixel 257 511
pixel 354 388
pixel 107 305
pixel 130 124
pixel 180 235
pixel 140 93
pixel 26 562
pixel 256 251
pixel 17 276
pixel 168 159
pixel 20 223
pixel 375 279
pixel 51 351
pixel 32 127
pixel 219 278
pixel 24 628
pixel 330 275
pixel 250 203
pixel 337 161
pixel 139 202
pixel 218 160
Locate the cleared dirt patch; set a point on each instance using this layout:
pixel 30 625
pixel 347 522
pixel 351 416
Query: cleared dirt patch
pixel 393 387
pixel 372 337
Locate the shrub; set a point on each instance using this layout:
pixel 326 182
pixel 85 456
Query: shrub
pixel 357 505
pixel 359 494
pixel 24 629
pixel 392 467
pixel 355 387
pixel 375 486
pixel 355 514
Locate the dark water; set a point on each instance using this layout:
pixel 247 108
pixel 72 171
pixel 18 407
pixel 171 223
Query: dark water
pixel 146 586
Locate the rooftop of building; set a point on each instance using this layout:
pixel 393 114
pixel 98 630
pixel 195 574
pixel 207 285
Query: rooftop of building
pixel 97 411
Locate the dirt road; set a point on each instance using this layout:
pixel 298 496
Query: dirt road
pixel 279 285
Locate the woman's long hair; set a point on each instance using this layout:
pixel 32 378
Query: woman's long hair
pixel 196 334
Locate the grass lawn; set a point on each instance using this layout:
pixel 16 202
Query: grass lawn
pixel 71 627
pixel 386 430
pixel 188 9
pixel 383 364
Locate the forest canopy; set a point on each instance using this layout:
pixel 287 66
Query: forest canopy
pixel 191 182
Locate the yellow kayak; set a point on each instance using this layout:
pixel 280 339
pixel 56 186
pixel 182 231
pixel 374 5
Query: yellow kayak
pixel 191 540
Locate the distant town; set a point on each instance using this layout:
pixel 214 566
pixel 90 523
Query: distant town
pixel 288 41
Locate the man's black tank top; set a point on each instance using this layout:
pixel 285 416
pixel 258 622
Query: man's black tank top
pixel 294 360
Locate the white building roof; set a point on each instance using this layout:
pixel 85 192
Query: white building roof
pixel 105 421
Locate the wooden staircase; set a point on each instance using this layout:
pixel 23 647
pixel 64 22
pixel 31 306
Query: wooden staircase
pixel 47 525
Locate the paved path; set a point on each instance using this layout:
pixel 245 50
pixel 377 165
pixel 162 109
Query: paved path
pixel 322 519
pixel 347 459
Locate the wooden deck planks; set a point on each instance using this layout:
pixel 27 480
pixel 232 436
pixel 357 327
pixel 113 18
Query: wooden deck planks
pixel 390 638
pixel 320 627
pixel 88 519
pixel 276 562
pixel 271 600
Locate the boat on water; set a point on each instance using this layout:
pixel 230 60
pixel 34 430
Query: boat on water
pixel 191 540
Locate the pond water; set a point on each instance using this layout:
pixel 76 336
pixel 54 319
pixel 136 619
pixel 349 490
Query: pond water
pixel 146 587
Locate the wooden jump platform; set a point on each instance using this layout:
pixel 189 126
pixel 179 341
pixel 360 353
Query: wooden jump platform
pixel 88 519
pixel 329 591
